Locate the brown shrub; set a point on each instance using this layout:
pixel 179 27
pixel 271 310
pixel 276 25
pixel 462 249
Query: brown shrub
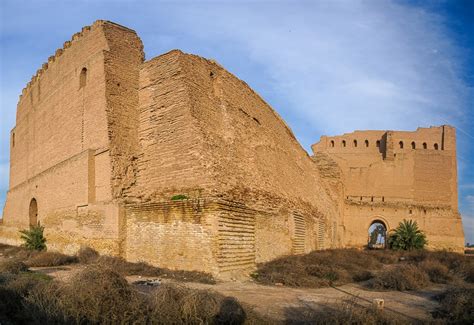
pixel 177 303
pixel 13 289
pixel 319 268
pixel 87 255
pixel 100 295
pixel 460 267
pixel 401 277
pixel 340 266
pixel 16 252
pixel 11 308
pixel 437 272
pixel 385 256
pixel 469 273
pixel 172 304
pixel 125 268
pixel 456 306
pixel 24 282
pixel 46 258
pixel 43 304
pixel 95 295
pixel 13 267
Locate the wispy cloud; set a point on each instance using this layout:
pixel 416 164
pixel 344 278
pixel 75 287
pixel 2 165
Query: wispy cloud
pixel 378 64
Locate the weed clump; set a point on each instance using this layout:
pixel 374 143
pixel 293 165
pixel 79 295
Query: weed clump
pixel 401 277
pixel 456 306
pixel 319 268
pixel 46 258
pixel 125 268
pixel 13 267
pixel 179 197
pixel 99 295
pixel 87 255
pixel 437 272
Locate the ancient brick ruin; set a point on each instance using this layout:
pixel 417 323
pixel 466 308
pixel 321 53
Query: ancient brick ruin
pixel 176 162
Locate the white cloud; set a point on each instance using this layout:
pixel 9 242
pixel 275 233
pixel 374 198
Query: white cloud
pixel 378 64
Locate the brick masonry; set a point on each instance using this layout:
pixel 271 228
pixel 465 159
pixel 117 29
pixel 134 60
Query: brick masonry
pixel 103 141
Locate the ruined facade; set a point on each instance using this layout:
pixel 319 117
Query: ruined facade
pixel 176 162
pixel 389 176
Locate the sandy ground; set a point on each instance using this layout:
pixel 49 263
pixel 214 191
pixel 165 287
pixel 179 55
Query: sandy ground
pixel 279 302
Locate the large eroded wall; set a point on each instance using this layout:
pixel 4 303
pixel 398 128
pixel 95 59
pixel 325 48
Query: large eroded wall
pixel 205 134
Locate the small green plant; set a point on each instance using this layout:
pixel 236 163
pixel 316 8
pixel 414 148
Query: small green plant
pixel 178 197
pixel 34 238
pixel 407 236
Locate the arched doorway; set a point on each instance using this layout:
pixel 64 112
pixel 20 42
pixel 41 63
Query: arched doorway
pixel 33 212
pixel 377 235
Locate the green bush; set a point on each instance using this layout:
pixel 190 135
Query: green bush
pixel 178 197
pixel 34 238
pixel 407 236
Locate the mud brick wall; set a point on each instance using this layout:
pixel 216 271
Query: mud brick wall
pixel 395 175
pixel 104 140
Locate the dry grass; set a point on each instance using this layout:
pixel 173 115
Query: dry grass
pixel 437 272
pixel 457 306
pixel 87 255
pixel 9 251
pixel 101 295
pixel 13 267
pixel 46 258
pixel 340 266
pixel 401 277
pixel 128 268
pixel 319 269
pixel 14 287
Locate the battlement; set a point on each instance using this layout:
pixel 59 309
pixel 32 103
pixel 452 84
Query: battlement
pixel 59 52
pixel 433 138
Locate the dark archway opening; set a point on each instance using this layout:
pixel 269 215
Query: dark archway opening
pixel 377 235
pixel 83 78
pixel 33 212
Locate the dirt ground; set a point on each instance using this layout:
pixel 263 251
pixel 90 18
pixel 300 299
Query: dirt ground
pixel 279 303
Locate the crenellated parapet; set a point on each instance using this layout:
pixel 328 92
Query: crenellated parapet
pixel 86 30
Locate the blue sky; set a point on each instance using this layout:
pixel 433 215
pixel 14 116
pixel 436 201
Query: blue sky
pixel 327 67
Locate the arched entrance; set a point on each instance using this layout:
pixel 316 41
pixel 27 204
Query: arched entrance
pixel 377 235
pixel 33 212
